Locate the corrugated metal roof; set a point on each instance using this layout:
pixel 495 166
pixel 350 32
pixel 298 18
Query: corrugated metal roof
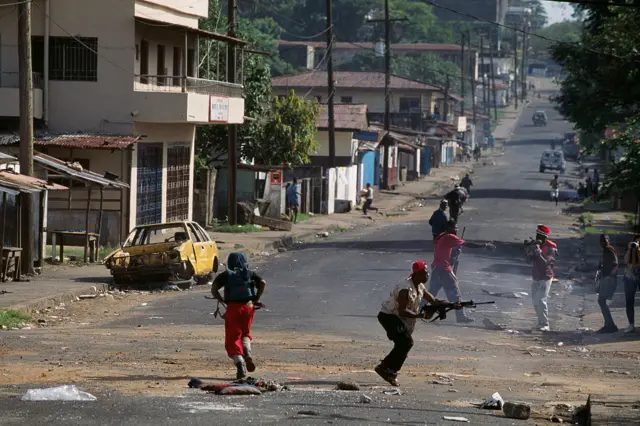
pixel 351 117
pixel 9 191
pixel 6 158
pixel 26 183
pixel 405 47
pixel 87 141
pixel 54 164
pixel 350 80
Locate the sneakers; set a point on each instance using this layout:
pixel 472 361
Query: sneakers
pixel 545 328
pixel 608 329
pixel 241 370
pixel 630 330
pixel 387 375
pixel 251 366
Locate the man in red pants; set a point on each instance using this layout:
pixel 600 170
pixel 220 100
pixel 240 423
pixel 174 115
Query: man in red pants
pixel 242 291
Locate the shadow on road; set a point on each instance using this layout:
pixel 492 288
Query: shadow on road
pixel 512 194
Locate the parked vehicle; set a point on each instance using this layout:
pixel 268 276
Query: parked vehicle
pixel 539 118
pixel 571 150
pixel 552 160
pixel 168 253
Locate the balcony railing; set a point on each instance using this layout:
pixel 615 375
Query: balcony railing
pixel 11 80
pixel 162 83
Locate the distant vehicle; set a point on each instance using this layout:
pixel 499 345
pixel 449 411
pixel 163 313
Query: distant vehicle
pixel 539 118
pixel 571 150
pixel 570 137
pixel 552 160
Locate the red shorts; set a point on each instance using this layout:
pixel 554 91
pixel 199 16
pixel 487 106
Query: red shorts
pixel 237 324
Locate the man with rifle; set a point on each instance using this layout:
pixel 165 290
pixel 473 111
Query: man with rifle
pixel 443 273
pixel 398 316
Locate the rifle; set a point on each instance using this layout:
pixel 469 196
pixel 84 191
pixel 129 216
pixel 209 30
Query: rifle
pixel 455 264
pixel 217 313
pixel 429 310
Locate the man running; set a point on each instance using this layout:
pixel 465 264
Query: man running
pixel 555 192
pixel 443 275
pixel 608 284
pixel 242 291
pixel 439 219
pixel 467 183
pixel 543 259
pixel 455 199
pixel 368 193
pixel 398 317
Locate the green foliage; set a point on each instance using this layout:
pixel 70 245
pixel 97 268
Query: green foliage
pixel 623 175
pixel 12 318
pixel 287 134
pixel 566 31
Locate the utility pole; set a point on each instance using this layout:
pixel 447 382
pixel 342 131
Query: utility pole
pixel 26 132
pixel 445 112
pixel 330 105
pixel 485 89
pixel 462 82
pixel 515 66
pixel 493 86
pixel 232 167
pixel 523 74
pixel 474 82
pixel 386 142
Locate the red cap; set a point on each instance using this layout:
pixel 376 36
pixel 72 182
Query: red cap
pixel 418 266
pixel 543 230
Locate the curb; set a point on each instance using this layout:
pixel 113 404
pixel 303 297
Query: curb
pixel 51 301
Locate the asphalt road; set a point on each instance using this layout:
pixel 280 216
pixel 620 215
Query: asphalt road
pixel 335 287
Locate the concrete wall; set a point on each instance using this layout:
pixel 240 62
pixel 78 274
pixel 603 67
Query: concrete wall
pixel 179 12
pixel 344 144
pixel 10 102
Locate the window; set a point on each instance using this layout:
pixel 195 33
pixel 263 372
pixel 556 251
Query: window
pixel 161 71
pixel 346 99
pixel 177 65
pixel 409 105
pixel 144 62
pixel 71 59
pixel 197 238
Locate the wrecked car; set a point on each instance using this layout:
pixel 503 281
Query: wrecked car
pixel 177 253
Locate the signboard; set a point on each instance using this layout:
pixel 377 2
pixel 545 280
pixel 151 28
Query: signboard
pixel 462 124
pixel 276 178
pixel 218 109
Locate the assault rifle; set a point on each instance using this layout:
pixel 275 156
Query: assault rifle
pixel 429 310
pixel 457 256
pixel 217 313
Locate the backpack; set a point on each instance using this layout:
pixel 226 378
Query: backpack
pixel 239 287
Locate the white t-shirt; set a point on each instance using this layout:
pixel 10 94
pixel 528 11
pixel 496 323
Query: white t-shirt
pixel 369 193
pixel 390 306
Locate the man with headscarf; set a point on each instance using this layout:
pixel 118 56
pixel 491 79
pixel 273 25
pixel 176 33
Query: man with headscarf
pixel 242 291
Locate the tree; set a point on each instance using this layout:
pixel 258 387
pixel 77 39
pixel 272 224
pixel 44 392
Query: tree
pixel 624 174
pixel 568 31
pixel 287 135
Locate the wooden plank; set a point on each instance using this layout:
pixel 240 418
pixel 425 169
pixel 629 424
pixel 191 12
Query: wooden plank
pixel 279 225
pixel 612 409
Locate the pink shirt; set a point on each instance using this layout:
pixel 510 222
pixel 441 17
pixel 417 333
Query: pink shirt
pixel 444 245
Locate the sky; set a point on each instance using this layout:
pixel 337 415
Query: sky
pixel 557 11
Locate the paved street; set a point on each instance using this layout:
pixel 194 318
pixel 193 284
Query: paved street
pixel 321 326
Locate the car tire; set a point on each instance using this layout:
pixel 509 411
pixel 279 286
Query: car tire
pixel 216 264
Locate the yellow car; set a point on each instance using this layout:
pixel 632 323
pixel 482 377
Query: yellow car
pixel 177 253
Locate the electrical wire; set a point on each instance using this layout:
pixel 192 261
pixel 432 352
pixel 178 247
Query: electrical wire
pixel 598 3
pixel 18 3
pixel 516 29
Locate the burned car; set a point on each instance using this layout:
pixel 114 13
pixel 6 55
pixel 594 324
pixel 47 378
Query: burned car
pixel 176 253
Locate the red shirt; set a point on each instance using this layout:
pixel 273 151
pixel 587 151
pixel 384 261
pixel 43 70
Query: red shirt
pixel 444 245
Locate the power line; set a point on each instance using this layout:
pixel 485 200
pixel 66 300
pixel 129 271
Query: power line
pixel 576 45
pixel 598 3
pixel 16 3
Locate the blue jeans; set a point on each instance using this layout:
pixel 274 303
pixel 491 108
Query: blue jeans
pixel 631 285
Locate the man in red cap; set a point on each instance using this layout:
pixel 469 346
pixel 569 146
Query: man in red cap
pixel 398 317
pixel 443 275
pixel 543 259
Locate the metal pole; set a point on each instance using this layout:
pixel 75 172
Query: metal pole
pixel 493 85
pixel 515 66
pixel 446 100
pixel 331 88
pixel 523 74
pixel 462 74
pixel 387 82
pixel 232 128
pixel 26 131
pixel 474 82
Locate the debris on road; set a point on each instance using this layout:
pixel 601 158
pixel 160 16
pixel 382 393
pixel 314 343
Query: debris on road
pixel 508 294
pixel 535 373
pixel 494 402
pixel 348 386
pixel 391 392
pixel 555 419
pixel 490 325
pixel 364 399
pixel 308 413
pixel 171 287
pixel 87 296
pixel 514 410
pixel 59 393
pixel 441 382
pixel 580 349
pixel 456 419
